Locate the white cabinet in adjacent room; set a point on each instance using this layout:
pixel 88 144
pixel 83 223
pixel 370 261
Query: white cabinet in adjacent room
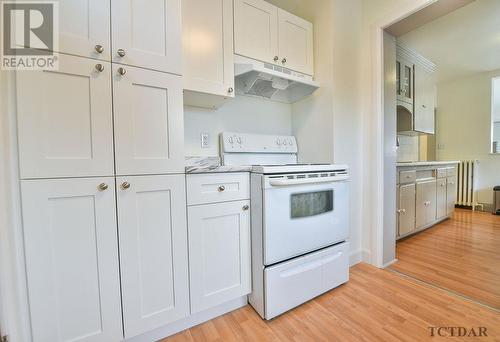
pixel 147 34
pixel 208 47
pixel 219 253
pixel 153 251
pixel 425 203
pixel 65 122
pixel 84 28
pixel 442 207
pixel 72 259
pixel 295 42
pixel 269 34
pixel 406 209
pixel 148 116
pixel 256 30
pixel 425 100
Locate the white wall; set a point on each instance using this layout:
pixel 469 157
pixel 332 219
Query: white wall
pixel 464 127
pixel 242 114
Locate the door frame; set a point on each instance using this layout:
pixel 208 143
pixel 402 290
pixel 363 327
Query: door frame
pixel 376 134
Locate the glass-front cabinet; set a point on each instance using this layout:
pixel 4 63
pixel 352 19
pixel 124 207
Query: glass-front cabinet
pixel 404 80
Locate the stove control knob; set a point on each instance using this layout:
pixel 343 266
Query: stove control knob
pixel 230 140
pixel 290 142
pixel 278 142
pixel 238 139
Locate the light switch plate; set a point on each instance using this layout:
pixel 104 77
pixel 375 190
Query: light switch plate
pixel 205 142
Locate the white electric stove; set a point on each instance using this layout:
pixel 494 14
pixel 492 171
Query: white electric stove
pixel 300 221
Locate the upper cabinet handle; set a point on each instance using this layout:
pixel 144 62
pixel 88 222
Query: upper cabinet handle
pixel 121 52
pixel 99 48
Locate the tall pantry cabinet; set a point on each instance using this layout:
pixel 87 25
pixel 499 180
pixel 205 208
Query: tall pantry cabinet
pixel 101 167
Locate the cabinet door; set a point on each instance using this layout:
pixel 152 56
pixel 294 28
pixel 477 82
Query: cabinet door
pixel 406 82
pixel 426 203
pixel 208 46
pixel 84 28
pixel 256 30
pixel 451 194
pixel 147 34
pixel 406 209
pixel 153 251
pixel 442 206
pixel 149 129
pixel 295 42
pixel 424 100
pixel 72 259
pixel 219 253
pixel 65 123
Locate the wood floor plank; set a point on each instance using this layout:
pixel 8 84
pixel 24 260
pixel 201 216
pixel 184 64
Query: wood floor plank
pixel 460 254
pixel 375 305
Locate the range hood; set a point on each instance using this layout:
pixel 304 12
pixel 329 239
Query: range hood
pixel 271 81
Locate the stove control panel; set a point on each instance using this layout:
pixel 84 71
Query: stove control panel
pixel 257 143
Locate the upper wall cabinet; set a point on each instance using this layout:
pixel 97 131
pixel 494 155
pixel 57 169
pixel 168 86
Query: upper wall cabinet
pixel 295 41
pixel 266 33
pixel 84 28
pixel 65 125
pixel 148 119
pixel 207 31
pixel 147 34
pixel 425 100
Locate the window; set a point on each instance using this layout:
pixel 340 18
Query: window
pixel 311 203
pixel 495 115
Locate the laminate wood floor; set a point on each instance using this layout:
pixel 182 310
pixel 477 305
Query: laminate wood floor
pixel 461 254
pixel 375 305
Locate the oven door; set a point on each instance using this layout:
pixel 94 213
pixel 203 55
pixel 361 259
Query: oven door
pixel 302 216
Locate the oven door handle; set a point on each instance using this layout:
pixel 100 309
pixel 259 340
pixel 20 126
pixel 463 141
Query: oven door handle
pixel 288 182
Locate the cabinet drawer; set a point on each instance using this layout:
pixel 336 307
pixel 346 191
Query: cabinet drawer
pixel 407 176
pixel 212 188
pixel 441 173
pixel 294 282
pixel 451 172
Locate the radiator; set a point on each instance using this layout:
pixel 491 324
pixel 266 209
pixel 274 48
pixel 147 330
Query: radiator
pixel 467 177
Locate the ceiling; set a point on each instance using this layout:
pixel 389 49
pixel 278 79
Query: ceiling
pixel 461 43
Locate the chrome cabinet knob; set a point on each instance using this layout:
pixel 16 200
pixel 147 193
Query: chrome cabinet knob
pixel 102 187
pixel 221 188
pixel 121 52
pixel 122 71
pixel 99 48
pixel 283 60
pixel 99 67
pixel 246 207
pixel 276 58
pixel 125 185
pixel 230 90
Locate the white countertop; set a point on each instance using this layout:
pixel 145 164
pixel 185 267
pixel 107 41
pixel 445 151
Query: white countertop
pixel 427 163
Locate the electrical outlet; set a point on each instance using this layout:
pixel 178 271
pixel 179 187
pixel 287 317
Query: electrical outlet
pixel 205 143
pixel 440 146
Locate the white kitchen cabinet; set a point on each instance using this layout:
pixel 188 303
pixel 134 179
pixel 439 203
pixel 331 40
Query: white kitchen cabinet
pixel 148 116
pixel 425 100
pixel 406 209
pixel 65 122
pixel 147 34
pixel 425 203
pixel 269 34
pixel 295 42
pixel 451 194
pixel 256 30
pixel 404 80
pixel 153 251
pixel 72 264
pixel 441 204
pixel 207 31
pixel 219 253
pixel 84 28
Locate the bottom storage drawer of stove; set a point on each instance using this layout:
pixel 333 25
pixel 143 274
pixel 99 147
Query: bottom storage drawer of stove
pixel 294 282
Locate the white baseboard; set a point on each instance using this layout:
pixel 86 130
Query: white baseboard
pixel 190 321
pixel 361 255
pixel 387 264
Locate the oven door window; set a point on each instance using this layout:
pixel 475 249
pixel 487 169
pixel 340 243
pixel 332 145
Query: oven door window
pixel 311 204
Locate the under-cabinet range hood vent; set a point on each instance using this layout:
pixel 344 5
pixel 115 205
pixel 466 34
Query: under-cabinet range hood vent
pixel 271 81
